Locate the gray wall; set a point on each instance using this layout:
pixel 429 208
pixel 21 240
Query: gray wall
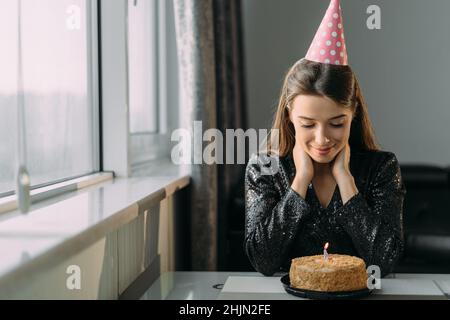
pixel 403 68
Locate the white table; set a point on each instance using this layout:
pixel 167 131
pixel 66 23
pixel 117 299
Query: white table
pixel 254 286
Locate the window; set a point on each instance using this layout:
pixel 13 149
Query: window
pixel 54 42
pixel 153 78
pixel 142 65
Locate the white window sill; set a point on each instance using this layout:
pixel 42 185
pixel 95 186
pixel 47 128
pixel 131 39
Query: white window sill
pixel 8 204
pixel 58 228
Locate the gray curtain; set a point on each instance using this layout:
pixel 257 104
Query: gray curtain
pixel 212 91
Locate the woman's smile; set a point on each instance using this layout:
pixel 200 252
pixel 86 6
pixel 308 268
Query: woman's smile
pixel 323 150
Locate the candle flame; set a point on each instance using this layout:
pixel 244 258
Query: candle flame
pixel 326 246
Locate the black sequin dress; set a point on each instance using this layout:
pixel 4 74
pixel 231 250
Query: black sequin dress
pixel 281 225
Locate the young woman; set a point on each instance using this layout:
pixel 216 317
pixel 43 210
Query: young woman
pixel 332 183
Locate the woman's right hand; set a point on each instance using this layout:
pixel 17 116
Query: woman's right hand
pixel 304 170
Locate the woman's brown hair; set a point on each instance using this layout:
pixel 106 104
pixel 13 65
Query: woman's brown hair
pixel 338 83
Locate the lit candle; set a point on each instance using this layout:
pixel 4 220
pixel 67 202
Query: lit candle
pixel 325 253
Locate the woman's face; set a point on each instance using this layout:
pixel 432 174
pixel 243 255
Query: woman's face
pixel 322 127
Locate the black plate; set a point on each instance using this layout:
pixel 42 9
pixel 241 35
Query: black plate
pixel 322 295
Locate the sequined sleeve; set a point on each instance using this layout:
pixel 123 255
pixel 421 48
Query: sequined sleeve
pixel 374 222
pixel 271 221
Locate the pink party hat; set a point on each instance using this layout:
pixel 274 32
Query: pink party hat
pixel 328 46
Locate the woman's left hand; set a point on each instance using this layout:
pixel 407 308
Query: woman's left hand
pixel 340 166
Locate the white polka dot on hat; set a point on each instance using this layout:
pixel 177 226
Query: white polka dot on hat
pixel 331 44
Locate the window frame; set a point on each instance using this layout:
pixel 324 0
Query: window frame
pixel 94 82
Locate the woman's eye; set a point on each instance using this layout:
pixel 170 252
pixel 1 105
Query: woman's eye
pixel 337 125
pixel 307 126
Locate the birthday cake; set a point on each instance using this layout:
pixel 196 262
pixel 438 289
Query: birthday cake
pixel 338 273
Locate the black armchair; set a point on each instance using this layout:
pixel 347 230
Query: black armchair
pixel 426 219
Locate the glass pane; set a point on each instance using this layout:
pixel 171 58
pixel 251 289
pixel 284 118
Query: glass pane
pixel 8 92
pixel 58 108
pixel 142 66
